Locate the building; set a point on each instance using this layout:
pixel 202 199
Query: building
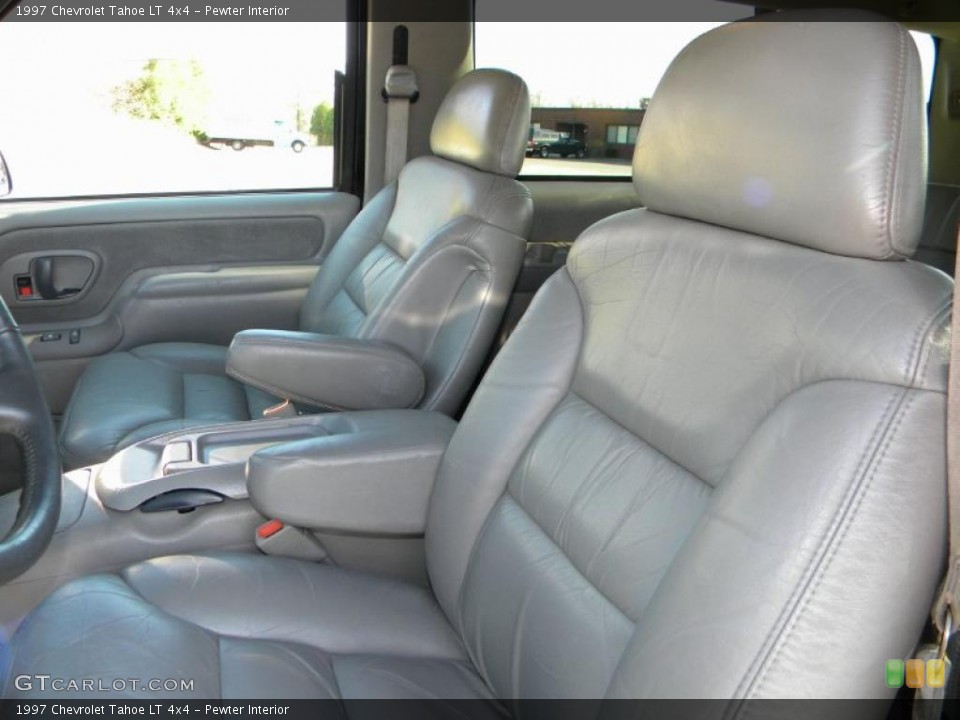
pixel 606 132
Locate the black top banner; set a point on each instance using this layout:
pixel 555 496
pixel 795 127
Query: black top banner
pixel 534 11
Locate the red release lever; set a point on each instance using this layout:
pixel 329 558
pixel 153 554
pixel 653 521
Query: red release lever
pixel 269 529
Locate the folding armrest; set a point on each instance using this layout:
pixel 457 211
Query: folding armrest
pixel 326 371
pixel 372 474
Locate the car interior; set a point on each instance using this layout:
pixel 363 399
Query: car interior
pixel 412 412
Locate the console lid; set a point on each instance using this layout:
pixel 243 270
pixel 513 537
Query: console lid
pixel 326 371
pixel 372 474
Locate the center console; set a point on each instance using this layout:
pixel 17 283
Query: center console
pixel 357 483
pixel 186 470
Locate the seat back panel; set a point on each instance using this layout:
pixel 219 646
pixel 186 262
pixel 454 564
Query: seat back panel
pixel 815 561
pixel 617 508
pixel 535 627
pixel 744 470
pixel 693 333
pixel 590 522
pixel 429 268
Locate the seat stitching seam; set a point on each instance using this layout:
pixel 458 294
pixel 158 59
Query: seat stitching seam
pixel 626 514
pixel 770 636
pixel 925 353
pixel 461 358
pixel 498 198
pixel 912 362
pixel 880 441
pixel 387 260
pixel 764 649
pixel 401 289
pixel 850 513
pixel 506 123
pixel 893 155
pixel 471 556
pixel 561 551
pixel 65 420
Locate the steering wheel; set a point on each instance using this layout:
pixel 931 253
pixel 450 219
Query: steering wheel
pixel 24 416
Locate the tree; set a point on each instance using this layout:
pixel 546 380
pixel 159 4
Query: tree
pixel 321 124
pixel 170 91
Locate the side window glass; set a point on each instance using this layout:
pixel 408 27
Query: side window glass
pixel 97 109
pixel 590 101
pixel 596 96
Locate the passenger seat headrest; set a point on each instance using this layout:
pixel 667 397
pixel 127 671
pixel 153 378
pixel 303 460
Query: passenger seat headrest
pixel 806 127
pixel 484 122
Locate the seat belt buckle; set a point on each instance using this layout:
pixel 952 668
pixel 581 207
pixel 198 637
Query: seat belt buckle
pixel 945 608
pixel 935 658
pixel 401 84
pixel 286 409
pixel 280 540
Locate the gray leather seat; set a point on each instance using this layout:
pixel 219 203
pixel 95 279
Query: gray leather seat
pixel 426 267
pixel 709 462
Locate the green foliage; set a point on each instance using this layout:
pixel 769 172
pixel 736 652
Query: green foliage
pixel 321 124
pixel 169 91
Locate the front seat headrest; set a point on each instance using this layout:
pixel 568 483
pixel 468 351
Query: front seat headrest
pixel 799 126
pixel 484 122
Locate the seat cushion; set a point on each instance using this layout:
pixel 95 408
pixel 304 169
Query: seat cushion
pixel 125 397
pixel 247 626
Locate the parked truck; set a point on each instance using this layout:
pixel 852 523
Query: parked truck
pixel 545 143
pixel 240 135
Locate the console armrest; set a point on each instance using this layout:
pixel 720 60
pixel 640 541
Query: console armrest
pixel 325 370
pixel 373 474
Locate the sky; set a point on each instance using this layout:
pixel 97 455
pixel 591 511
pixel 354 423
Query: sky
pixel 626 62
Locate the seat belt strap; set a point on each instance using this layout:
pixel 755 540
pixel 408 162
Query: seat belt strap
pixel 399 90
pixel 928 699
pixel 946 609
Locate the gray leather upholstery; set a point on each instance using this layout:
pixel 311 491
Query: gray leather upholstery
pixel 242 628
pixel 483 122
pixel 427 267
pixel 372 474
pixel 708 463
pixel 125 397
pixel 357 374
pixel 830 180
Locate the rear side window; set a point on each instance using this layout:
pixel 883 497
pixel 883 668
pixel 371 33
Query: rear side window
pixel 590 82
pixel 152 107
pixel 928 59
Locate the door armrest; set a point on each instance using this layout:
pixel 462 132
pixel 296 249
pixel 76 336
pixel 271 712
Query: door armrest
pixel 326 371
pixel 372 474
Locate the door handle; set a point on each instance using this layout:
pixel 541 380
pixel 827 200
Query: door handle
pixel 43 280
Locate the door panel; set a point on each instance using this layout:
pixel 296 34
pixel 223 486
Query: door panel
pixel 127 236
pixel 164 269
